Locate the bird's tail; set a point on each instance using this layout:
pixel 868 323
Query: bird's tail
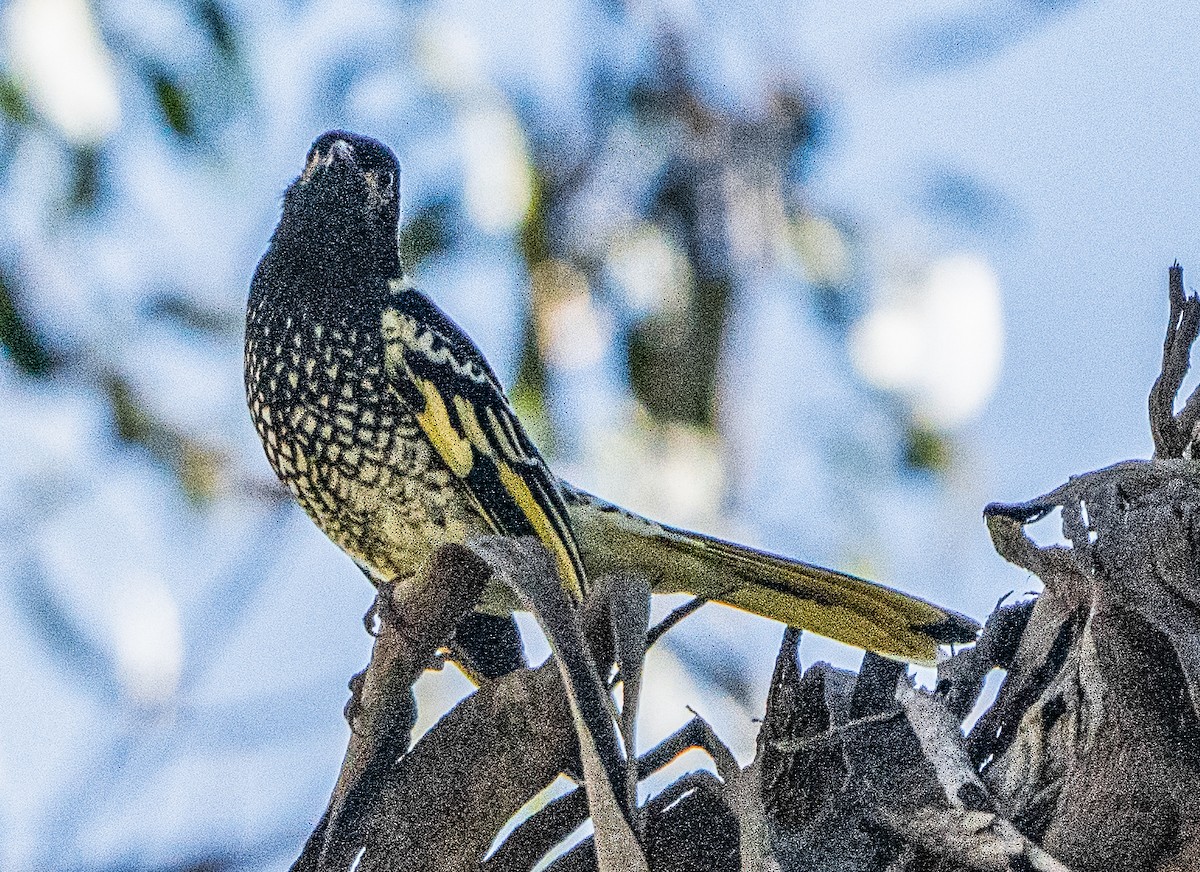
pixel 828 603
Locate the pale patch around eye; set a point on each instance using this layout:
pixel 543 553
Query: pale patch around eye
pixel 316 161
pixel 379 190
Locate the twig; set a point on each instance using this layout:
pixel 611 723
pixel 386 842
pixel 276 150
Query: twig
pixel 534 838
pixel 1172 433
pixel 530 571
pixel 961 677
pixel 626 597
pixel 688 827
pixel 678 614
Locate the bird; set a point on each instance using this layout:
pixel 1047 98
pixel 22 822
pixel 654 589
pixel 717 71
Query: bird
pixel 386 422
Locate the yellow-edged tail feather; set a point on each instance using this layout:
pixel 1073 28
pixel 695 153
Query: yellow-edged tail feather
pixel 832 604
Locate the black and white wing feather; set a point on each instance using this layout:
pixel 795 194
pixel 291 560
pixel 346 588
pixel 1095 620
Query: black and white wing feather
pixel 462 410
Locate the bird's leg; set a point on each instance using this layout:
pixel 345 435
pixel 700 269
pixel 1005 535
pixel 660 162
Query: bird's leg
pixel 489 646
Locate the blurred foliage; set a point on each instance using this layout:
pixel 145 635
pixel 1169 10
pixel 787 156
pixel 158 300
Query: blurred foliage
pixel 534 234
pixel 12 101
pixel 672 359
pixel 926 450
pixel 528 392
pixel 195 100
pixel 174 102
pixel 196 93
pixel 216 25
pixel 429 231
pixel 85 185
pixel 828 259
pixel 134 424
pixel 671 352
pixel 19 336
pixel 60 632
pixel 199 468
pixel 178 308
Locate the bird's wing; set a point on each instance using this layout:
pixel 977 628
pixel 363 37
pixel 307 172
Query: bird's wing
pixel 462 410
pixel 460 407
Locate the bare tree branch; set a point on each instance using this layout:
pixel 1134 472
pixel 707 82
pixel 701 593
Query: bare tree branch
pixel 677 614
pixel 1172 433
pixel 414 621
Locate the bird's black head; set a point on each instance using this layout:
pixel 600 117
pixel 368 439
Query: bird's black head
pixel 340 216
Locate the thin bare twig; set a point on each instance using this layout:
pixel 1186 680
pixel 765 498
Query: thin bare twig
pixel 534 838
pixel 678 614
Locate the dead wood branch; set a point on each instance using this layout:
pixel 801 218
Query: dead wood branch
pixel 413 622
pixel 1172 433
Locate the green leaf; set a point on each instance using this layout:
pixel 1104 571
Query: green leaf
pixel 13 102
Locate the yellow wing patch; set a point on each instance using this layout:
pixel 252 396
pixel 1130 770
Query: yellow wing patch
pixel 523 496
pixel 493 434
pixel 435 421
pixel 470 423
